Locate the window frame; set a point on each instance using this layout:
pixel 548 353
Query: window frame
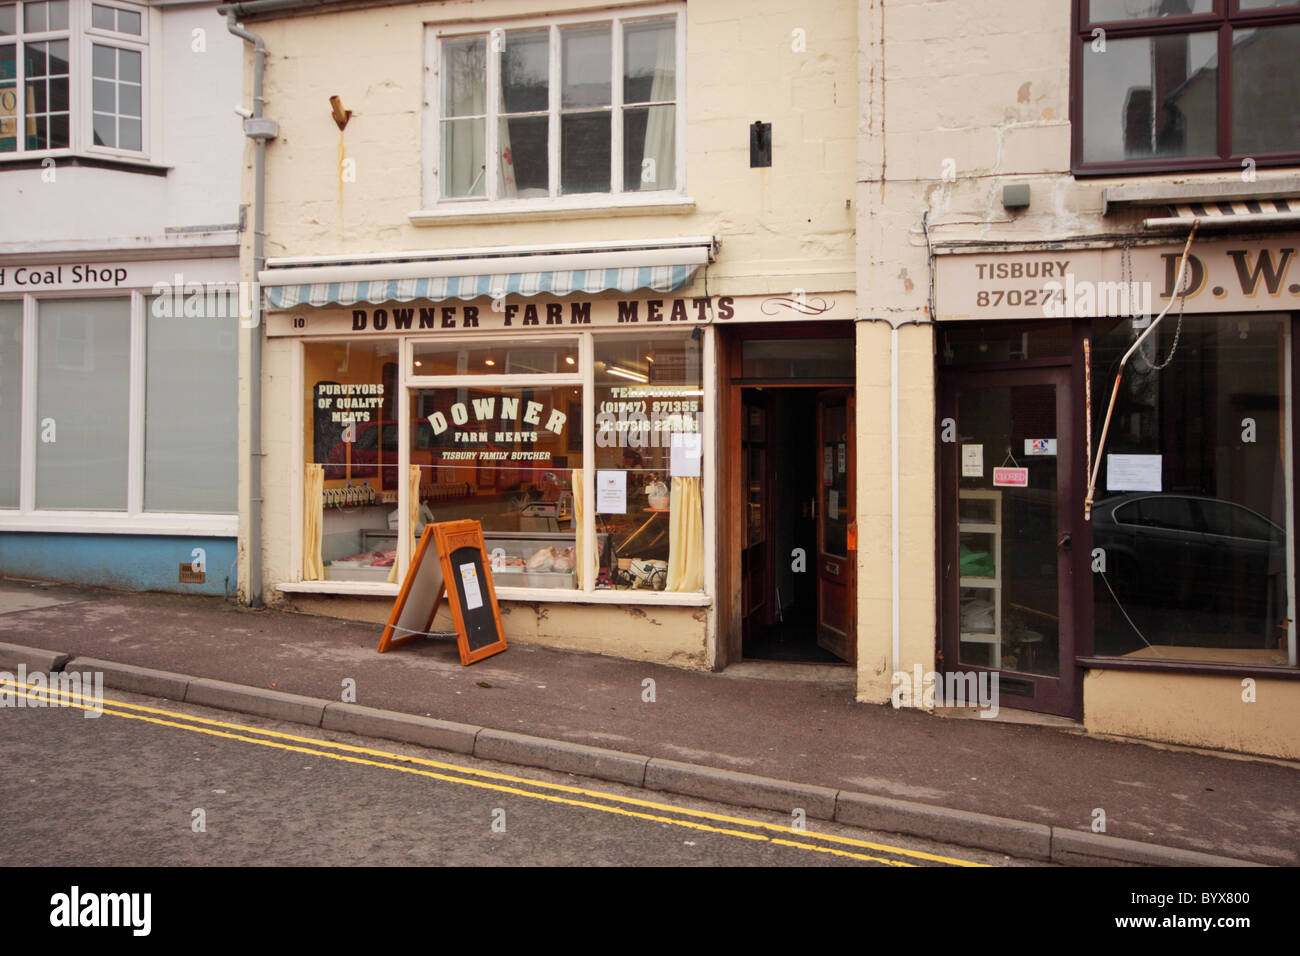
pixel 1225 17
pixel 82 37
pixel 584 377
pixel 492 202
pixel 134 519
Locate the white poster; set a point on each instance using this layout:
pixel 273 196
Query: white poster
pixel 685 459
pixel 1040 446
pixel 611 492
pixel 473 596
pixel 1133 472
pixel 972 461
pixel 833 505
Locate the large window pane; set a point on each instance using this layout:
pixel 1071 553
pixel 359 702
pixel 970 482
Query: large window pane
pixel 585 63
pixel 83 372
pixel 351 442
pixel 649 63
pixel 1265 76
pixel 191 400
pixel 584 152
pixel 1150 97
pixel 11 394
pixel 648 420
pixel 650 148
pixel 525 73
pixel 508 458
pixel 1192 527
pixel 8 99
pixel 464 151
pixel 464 80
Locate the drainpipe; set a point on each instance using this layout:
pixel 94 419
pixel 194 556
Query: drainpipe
pixel 259 129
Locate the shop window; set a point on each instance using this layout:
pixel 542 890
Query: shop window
pixel 83 357
pixel 1185 84
pixel 649 431
pixel 1190 520
pixel 11 396
pixel 511 459
pixel 564 109
pixel 171 452
pixel 350 498
pixel 191 431
pixel 56 54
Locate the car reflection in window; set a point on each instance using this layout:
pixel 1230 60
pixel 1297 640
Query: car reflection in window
pixel 1192 552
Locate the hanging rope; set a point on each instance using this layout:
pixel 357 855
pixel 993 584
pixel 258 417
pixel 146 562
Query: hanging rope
pixel 1119 375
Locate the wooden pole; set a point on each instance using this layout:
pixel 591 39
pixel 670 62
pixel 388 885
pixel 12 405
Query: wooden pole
pixel 1119 375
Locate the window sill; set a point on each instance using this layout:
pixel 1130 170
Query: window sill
pixel 94 162
pixel 523 210
pixel 546 595
pixel 101 522
pixel 1222 669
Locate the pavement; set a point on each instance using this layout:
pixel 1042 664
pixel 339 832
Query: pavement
pixel 749 736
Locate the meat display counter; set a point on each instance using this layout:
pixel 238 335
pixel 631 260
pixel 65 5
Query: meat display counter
pixel 533 559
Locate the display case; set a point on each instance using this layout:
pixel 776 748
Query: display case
pixel 356 542
pixel 522 559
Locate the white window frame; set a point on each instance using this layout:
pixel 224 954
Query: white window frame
pixel 134 520
pixel 82 37
pixel 584 376
pixel 437 208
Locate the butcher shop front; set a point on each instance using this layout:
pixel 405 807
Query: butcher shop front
pixel 577 426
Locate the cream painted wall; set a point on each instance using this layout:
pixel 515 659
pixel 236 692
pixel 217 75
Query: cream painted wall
pixel 664 635
pixel 783 227
pixel 1201 711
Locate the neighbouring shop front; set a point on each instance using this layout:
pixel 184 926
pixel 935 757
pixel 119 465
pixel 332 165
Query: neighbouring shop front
pixel 1185 567
pixel 118 434
pixel 576 413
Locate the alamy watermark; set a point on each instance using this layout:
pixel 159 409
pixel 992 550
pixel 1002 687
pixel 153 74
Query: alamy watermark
pixel 61 689
pixel 952 689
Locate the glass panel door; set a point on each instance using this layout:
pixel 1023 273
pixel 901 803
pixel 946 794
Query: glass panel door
pixel 1007 529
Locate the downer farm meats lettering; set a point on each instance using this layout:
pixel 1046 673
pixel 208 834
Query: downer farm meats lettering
pixel 534 314
pixel 485 413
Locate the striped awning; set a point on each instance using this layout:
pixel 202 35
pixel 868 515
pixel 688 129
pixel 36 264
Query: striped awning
pixel 1229 214
pixel 658 266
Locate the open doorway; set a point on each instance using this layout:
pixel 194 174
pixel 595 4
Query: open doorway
pixel 795 462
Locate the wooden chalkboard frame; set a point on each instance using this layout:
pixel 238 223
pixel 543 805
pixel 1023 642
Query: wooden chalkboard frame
pixel 451 538
pixel 413 613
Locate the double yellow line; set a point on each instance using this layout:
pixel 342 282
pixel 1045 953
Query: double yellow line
pixel 755 830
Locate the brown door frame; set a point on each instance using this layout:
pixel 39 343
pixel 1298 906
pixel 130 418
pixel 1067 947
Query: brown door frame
pixel 1062 695
pixel 730 616
pixel 835 568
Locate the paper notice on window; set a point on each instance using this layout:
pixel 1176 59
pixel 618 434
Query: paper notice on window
pixel 469 578
pixel 1133 472
pixel 833 505
pixel 611 492
pixel 972 461
pixel 685 458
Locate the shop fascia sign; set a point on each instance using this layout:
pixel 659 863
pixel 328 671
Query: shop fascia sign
pixel 536 313
pixel 1254 276
pixel 163 277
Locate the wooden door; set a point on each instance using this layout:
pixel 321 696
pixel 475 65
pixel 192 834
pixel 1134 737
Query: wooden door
pixel 836 527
